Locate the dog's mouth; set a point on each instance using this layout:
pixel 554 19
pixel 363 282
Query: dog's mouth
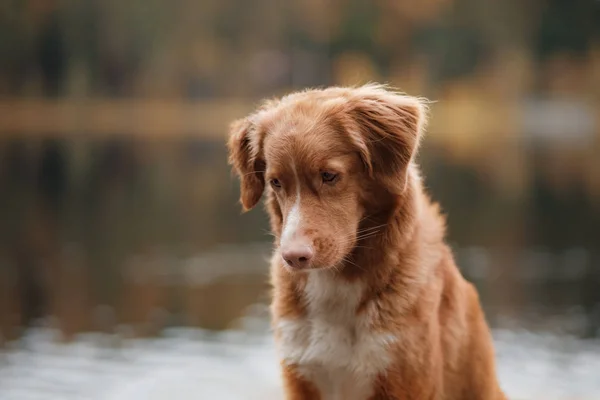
pixel 314 267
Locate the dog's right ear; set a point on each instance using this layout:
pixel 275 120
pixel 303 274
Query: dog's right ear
pixel 244 155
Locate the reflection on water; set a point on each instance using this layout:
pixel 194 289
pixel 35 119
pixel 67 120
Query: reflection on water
pixel 98 233
pixel 215 288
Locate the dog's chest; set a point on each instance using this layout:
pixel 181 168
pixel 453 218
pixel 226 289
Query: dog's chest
pixel 332 346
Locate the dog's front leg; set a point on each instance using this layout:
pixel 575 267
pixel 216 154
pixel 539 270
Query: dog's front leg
pixel 296 387
pixel 403 387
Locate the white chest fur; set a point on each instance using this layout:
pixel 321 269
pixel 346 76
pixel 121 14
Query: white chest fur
pixel 332 346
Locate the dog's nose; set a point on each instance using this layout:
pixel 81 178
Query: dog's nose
pixel 297 255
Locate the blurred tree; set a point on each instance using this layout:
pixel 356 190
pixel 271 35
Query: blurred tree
pixel 52 55
pixel 568 26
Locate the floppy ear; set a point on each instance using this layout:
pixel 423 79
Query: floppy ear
pixel 387 132
pixel 244 155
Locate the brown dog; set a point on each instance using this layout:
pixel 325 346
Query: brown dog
pixel 368 302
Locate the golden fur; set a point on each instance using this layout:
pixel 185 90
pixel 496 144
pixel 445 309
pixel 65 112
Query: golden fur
pixel 376 307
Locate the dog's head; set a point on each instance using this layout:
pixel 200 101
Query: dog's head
pixel 328 158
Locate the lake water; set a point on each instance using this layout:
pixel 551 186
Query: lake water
pixel 197 364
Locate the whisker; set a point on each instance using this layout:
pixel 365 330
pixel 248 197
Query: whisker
pixel 336 268
pixel 375 227
pixel 367 235
pixel 364 233
pixel 267 233
pixel 353 263
pixel 365 218
pixel 371 228
pixel 360 235
pixel 253 172
pixel 359 238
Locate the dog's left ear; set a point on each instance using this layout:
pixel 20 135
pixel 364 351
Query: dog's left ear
pixel 387 132
pixel 244 155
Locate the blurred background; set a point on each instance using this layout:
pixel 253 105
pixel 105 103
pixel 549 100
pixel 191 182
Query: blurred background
pixel 122 247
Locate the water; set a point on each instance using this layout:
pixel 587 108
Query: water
pixel 197 364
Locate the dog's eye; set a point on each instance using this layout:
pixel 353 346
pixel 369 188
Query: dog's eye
pixel 328 177
pixel 275 183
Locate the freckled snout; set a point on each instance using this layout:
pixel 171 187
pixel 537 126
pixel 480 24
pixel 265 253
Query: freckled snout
pixel 297 253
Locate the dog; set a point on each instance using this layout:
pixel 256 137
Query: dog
pixel 368 302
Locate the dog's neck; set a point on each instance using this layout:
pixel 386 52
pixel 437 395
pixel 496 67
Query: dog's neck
pixel 404 254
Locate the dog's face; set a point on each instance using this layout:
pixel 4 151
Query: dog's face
pixel 315 177
pixel 328 158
